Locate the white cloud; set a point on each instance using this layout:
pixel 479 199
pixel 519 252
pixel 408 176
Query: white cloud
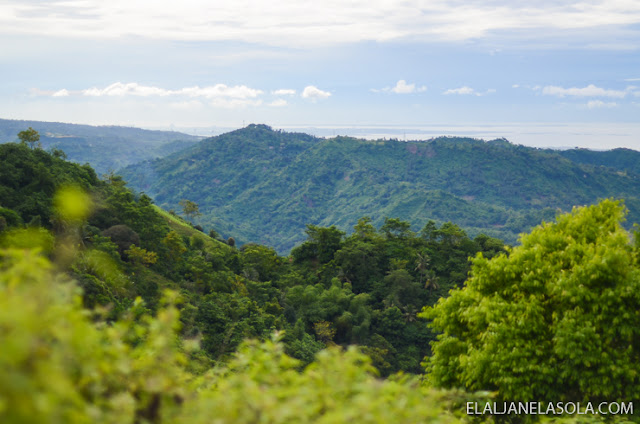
pixel 464 90
pixel 61 93
pixel 220 90
pixel 312 92
pixel 515 86
pixel 278 103
pixel 129 89
pixel 284 92
pixel 597 104
pixel 588 91
pixel 295 23
pixel 401 87
pixel 119 89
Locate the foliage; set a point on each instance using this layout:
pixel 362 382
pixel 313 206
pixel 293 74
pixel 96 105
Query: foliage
pixel 265 186
pixel 363 288
pixel 123 236
pixel 190 209
pixel 120 344
pixel 60 366
pixel 141 256
pixel 30 137
pixel 104 147
pixel 554 320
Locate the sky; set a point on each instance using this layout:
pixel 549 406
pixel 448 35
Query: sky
pixel 546 73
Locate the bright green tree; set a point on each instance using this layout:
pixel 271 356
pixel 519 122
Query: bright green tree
pixel 556 319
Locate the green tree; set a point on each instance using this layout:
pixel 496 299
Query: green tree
pixel 422 264
pixel 175 246
pixel 190 209
pixel 555 320
pixel 30 137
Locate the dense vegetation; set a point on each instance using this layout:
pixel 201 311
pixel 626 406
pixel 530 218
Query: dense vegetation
pixel 555 320
pixel 622 160
pixel 264 186
pixel 112 310
pixel 365 289
pixel 105 148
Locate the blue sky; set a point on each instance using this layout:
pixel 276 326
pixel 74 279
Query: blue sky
pixel 547 73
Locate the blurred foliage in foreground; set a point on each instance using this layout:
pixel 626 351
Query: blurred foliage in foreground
pixel 59 364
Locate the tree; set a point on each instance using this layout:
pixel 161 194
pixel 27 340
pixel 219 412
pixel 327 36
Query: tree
pixel 173 242
pixel 141 256
pixel 321 245
pixel 30 137
pixel 555 320
pixel 190 209
pixel 422 264
pixel 123 236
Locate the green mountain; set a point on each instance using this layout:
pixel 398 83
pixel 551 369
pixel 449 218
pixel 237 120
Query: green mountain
pixel 363 289
pixel 104 147
pixel 623 160
pixel 264 186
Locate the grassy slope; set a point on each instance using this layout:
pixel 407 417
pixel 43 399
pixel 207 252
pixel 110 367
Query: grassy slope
pixel 185 229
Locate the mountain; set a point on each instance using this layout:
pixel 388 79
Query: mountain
pixel 104 147
pixel 119 247
pixel 264 186
pixel 623 160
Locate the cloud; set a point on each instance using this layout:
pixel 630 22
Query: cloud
pixel 60 93
pixel 401 87
pixel 464 90
pixel 278 103
pixel 515 86
pixel 314 93
pixel 220 90
pixel 588 91
pixel 295 23
pixel 119 89
pixel 597 104
pixel 129 89
pixel 284 92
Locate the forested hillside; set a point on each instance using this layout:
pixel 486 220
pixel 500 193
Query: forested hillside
pixel 264 186
pixel 623 160
pixel 364 289
pixel 114 310
pixel 105 148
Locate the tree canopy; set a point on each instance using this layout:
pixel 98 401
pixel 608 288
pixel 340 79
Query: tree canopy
pixel 29 137
pixel 555 319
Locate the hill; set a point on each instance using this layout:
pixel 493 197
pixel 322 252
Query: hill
pixel 623 160
pixel 104 147
pixel 264 186
pixel 363 289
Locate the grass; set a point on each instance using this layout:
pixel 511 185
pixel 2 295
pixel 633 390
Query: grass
pixel 184 228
